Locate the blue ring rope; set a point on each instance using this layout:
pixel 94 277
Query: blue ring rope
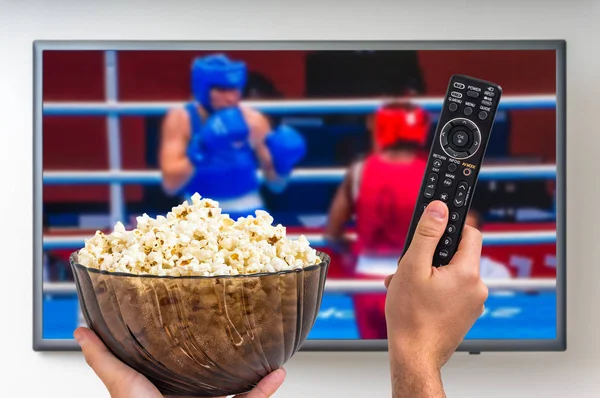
pixel 327 176
pixel 275 108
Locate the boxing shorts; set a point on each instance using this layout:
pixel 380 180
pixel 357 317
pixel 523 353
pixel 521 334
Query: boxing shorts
pixel 224 162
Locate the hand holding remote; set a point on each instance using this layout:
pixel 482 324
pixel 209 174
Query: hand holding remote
pixel 457 152
pixel 429 310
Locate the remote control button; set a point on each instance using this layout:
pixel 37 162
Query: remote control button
pixel 464 123
pixel 456 154
pixel 452 167
pixel 447 242
pixel 460 139
pixel 444 133
pixel 424 206
pixel 457 147
pixel 447 182
pixel 474 146
pixel 467 171
pixel 472 94
pixel 443 254
pixel 437 163
pixel 458 85
pixel 459 202
pixel 461 194
pixel 453 107
pixel 488 103
pixel 454 216
pixel 456 94
pixel 489 94
pixel 451 229
pixel 468 111
pixel 430 186
pixel 482 115
pixel 444 197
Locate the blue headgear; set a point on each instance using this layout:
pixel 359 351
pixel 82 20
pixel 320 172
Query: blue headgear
pixel 216 71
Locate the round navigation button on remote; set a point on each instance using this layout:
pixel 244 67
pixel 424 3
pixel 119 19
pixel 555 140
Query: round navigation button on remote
pixel 460 139
pixel 452 167
pixel 453 107
pixel 457 136
pixel 482 115
pixel 451 229
pixel 447 242
pixel 468 111
pixel 454 216
pixel 443 254
pixel 437 163
pixel 467 171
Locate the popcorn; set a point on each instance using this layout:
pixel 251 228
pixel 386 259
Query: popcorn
pixel 196 239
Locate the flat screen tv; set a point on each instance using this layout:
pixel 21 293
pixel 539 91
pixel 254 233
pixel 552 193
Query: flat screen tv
pixel 99 121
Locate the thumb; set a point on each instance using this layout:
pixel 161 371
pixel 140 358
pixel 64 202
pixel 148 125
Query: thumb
pixel 108 368
pixel 267 386
pixel 427 236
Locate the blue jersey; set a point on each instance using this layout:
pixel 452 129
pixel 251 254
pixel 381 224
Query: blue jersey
pixel 228 169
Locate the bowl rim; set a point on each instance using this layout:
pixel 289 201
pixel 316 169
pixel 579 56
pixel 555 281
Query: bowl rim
pixel 325 260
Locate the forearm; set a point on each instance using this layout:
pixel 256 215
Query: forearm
pixel 340 212
pixel 176 173
pixel 335 227
pixel 414 377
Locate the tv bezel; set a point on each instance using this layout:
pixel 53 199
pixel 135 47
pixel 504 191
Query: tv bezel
pixel 470 345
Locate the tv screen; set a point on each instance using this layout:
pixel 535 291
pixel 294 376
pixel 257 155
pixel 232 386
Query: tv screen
pixel 100 131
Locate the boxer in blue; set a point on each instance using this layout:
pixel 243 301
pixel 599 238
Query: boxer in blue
pixel 215 146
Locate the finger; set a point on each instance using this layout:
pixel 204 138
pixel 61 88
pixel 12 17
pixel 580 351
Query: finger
pixel 468 254
pixel 429 231
pixel 108 368
pixel 267 386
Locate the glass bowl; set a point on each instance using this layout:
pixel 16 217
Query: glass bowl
pixel 202 336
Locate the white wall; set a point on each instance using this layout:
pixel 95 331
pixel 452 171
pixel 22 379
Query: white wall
pixel 574 373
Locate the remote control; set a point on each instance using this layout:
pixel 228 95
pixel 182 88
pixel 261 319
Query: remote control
pixel 458 148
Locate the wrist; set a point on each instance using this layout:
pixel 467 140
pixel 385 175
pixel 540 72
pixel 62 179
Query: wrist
pixel 412 360
pixel 414 374
pixel 336 242
pixel 415 381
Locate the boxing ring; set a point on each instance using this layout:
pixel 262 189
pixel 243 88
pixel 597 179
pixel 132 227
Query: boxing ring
pixel 511 302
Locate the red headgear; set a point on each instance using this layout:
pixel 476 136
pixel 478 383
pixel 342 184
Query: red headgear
pixel 401 123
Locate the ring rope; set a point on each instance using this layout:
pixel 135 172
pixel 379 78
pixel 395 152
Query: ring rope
pixel 153 177
pixel 362 286
pixel 280 107
pixel 317 240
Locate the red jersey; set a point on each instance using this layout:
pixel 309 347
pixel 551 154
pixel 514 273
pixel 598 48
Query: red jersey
pixel 385 196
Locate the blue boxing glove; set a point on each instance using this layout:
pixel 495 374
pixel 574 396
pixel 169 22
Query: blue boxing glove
pixel 224 131
pixel 221 153
pixel 287 147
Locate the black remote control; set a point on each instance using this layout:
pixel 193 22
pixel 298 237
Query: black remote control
pixel 458 148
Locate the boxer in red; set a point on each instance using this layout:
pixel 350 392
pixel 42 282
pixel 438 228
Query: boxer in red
pixel 381 192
